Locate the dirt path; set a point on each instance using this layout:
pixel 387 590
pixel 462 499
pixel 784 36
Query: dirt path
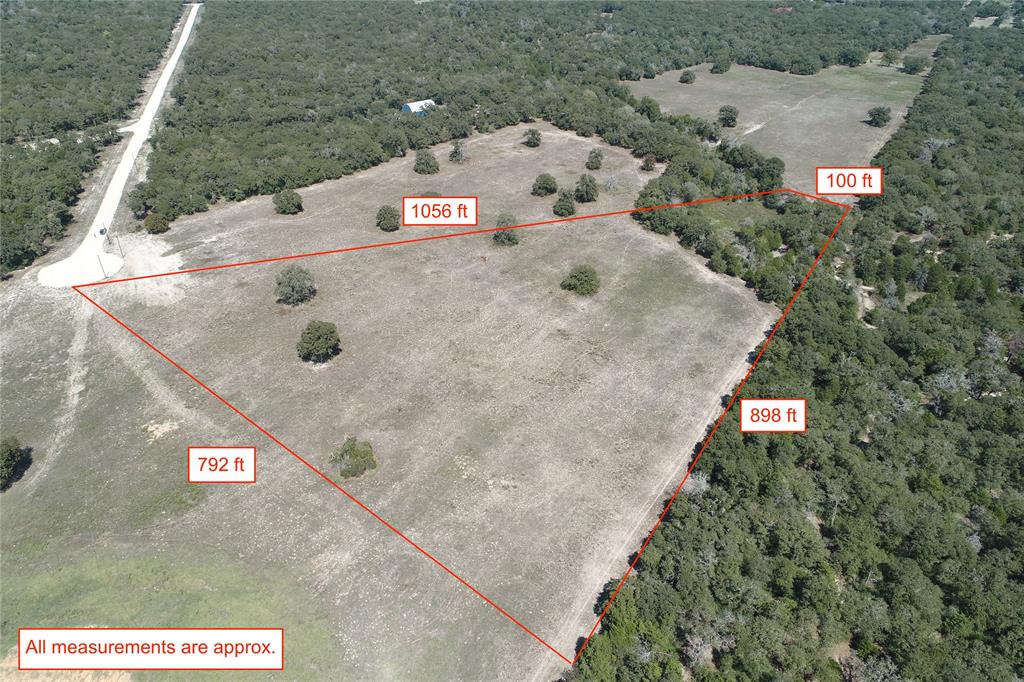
pixel 90 262
pixel 81 313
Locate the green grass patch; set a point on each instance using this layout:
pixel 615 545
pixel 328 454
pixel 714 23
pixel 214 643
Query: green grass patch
pixel 152 591
pixel 731 216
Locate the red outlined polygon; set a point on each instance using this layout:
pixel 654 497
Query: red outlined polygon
pixel 570 660
pixel 281 630
pixel 188 463
pixel 476 213
pixel 768 400
pixel 881 181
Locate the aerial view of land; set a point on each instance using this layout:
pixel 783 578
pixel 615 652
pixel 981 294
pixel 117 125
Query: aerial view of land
pixel 806 120
pixel 434 341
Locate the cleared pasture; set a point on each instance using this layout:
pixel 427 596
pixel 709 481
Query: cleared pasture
pixel 807 121
pixel 525 435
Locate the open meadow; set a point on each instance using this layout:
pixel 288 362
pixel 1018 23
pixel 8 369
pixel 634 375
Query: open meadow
pixel 524 434
pixel 806 121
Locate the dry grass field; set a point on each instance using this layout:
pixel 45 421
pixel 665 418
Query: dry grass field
pixel 525 435
pixel 807 121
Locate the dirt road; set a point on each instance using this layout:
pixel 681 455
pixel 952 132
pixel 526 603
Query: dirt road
pixel 90 262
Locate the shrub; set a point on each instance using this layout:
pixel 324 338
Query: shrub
pixel 294 285
pixel 156 224
pixel 648 163
pixel 583 280
pixel 586 189
pixel 287 202
pixel 687 77
pixel 458 153
pixel 388 218
pixel 648 107
pixel 914 64
pixel 532 138
pixel 721 65
pixel 595 159
pixel 544 185
pixel 727 116
pixel 354 458
pixel 14 460
pixel 506 237
pixel 879 116
pixel 852 56
pixel 319 342
pixel 565 205
pixel 426 162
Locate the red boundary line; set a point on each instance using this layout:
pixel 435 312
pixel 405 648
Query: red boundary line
pixel 571 661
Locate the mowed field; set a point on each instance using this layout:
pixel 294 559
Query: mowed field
pixel 807 121
pixel 525 435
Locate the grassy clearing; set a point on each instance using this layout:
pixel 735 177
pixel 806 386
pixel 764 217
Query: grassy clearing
pixel 495 401
pixel 807 121
pixel 727 216
pixel 150 590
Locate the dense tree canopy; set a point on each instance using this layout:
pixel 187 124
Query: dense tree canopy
pixel 68 69
pixel 73 65
pixel 893 530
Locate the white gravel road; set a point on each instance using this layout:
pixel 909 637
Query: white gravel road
pixel 90 262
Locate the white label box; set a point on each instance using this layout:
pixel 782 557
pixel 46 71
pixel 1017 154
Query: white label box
pixel 150 649
pixel 221 464
pixel 848 180
pixel 773 415
pixel 431 211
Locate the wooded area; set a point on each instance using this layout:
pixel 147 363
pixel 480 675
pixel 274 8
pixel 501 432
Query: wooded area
pixel 68 69
pixel 299 93
pixel 889 537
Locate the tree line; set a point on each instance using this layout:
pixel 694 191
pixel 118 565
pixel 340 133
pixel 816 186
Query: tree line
pixel 316 89
pixel 887 542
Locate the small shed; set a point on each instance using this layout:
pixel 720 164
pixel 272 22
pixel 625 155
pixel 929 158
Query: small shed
pixel 420 108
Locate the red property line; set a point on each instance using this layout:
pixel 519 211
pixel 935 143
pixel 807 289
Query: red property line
pixel 571 661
